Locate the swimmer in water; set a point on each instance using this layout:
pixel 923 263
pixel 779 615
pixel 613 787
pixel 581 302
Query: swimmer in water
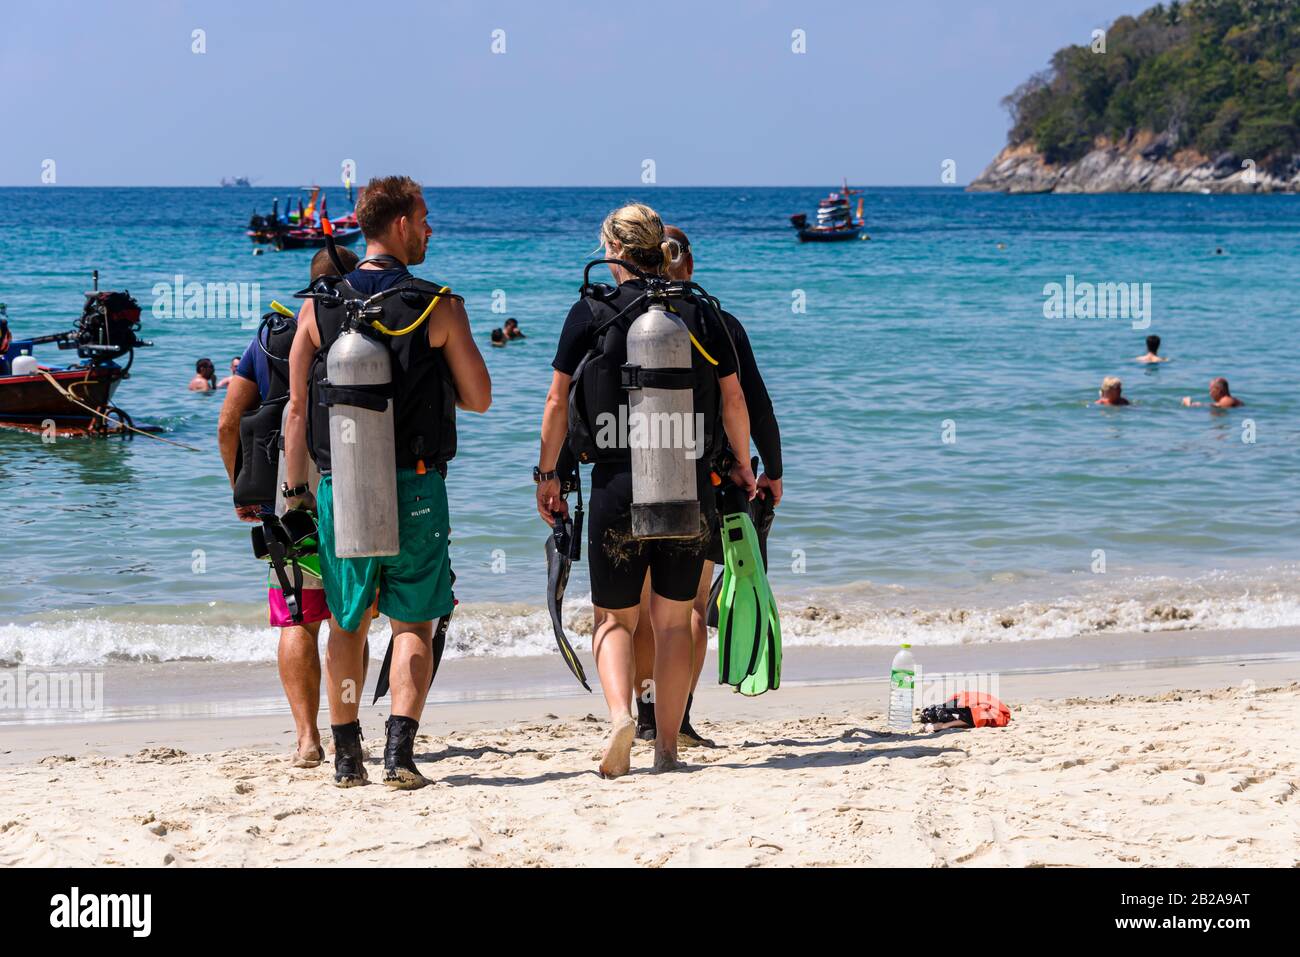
pixel 1112 392
pixel 205 376
pixel 1153 347
pixel 1220 397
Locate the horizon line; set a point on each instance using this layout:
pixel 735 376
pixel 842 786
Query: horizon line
pixel 650 186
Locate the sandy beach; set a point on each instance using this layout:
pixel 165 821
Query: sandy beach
pixel 1149 759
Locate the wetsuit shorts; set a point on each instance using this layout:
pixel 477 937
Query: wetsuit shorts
pixel 413 585
pixel 618 562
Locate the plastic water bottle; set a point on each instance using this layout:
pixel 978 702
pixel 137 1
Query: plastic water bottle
pixel 902 676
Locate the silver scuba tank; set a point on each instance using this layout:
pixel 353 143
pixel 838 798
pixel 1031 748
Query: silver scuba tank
pixel 282 471
pixel 662 427
pixel 363 465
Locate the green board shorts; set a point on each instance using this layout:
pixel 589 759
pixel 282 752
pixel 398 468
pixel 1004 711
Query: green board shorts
pixel 415 584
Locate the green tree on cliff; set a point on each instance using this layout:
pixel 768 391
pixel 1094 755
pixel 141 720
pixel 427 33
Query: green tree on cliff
pixel 1222 76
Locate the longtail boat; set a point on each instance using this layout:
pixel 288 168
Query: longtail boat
pixel 835 220
pixel 78 395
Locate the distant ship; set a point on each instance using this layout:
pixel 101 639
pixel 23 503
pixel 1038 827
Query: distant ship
pixel 236 181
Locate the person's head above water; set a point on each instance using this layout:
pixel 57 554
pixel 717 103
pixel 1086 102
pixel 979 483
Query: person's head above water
pixel 682 264
pixel 1112 389
pixel 635 234
pixel 1153 344
pixel 205 368
pixel 394 218
pixel 1219 388
pixel 323 265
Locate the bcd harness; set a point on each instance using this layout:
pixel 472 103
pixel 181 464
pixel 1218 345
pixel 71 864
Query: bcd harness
pixel 422 390
pixel 603 378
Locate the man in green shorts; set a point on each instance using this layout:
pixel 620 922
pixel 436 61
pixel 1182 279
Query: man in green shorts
pixel 431 361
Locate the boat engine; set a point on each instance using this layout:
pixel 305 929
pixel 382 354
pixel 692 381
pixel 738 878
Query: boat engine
pixel 107 327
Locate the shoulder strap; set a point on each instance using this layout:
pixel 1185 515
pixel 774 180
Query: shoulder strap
pixel 383 259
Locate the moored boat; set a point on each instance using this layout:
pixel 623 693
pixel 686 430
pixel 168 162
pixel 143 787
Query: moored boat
pixel 835 219
pixel 79 395
pixel 301 228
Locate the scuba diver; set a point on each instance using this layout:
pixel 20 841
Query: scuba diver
pixel 380 362
pixel 261 382
pixel 618 351
pixel 767 439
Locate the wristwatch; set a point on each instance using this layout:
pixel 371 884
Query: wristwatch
pixel 294 492
pixel 539 476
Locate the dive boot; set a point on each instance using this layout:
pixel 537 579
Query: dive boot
pixel 688 736
pixel 399 761
pixel 349 759
pixel 645 720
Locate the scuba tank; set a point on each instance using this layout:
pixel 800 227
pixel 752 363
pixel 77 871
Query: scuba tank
pixel 661 415
pixel 378 383
pixel 363 463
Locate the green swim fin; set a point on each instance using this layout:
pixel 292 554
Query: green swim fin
pixel 749 627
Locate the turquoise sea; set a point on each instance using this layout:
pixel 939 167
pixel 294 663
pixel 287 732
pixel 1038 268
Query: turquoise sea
pixel 946 480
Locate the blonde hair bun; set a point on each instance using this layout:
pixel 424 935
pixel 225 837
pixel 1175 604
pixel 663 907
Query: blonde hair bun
pixel 637 232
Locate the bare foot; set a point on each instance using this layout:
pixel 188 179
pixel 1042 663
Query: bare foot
pixel 309 757
pixel 667 762
pixel 618 749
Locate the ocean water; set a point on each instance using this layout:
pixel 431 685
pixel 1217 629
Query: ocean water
pixel 946 479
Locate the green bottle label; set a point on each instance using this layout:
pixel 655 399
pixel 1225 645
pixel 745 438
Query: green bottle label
pixel 901 679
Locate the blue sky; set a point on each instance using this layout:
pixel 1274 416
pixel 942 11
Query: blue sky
pixel 584 93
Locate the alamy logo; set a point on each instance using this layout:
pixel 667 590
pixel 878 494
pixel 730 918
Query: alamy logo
pixel 53 690
pixel 214 300
pixel 103 910
pixel 651 430
pixel 1104 300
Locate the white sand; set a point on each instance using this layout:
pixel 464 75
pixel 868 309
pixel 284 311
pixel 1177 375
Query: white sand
pixel 805 776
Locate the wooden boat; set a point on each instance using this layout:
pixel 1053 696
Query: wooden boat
pixel 80 395
pixel 32 400
pixel 301 228
pixel 314 238
pixel 835 220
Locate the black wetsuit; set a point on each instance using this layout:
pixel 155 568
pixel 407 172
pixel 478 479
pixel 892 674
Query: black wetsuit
pixel 763 428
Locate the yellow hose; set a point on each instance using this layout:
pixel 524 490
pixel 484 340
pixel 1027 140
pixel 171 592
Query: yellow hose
pixel 415 325
pixel 696 343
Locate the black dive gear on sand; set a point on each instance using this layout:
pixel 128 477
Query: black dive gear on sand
pixel 260 440
pixel 942 714
pixel 422 389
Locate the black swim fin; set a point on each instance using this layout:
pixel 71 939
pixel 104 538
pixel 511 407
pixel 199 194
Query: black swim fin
pixel 562 547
